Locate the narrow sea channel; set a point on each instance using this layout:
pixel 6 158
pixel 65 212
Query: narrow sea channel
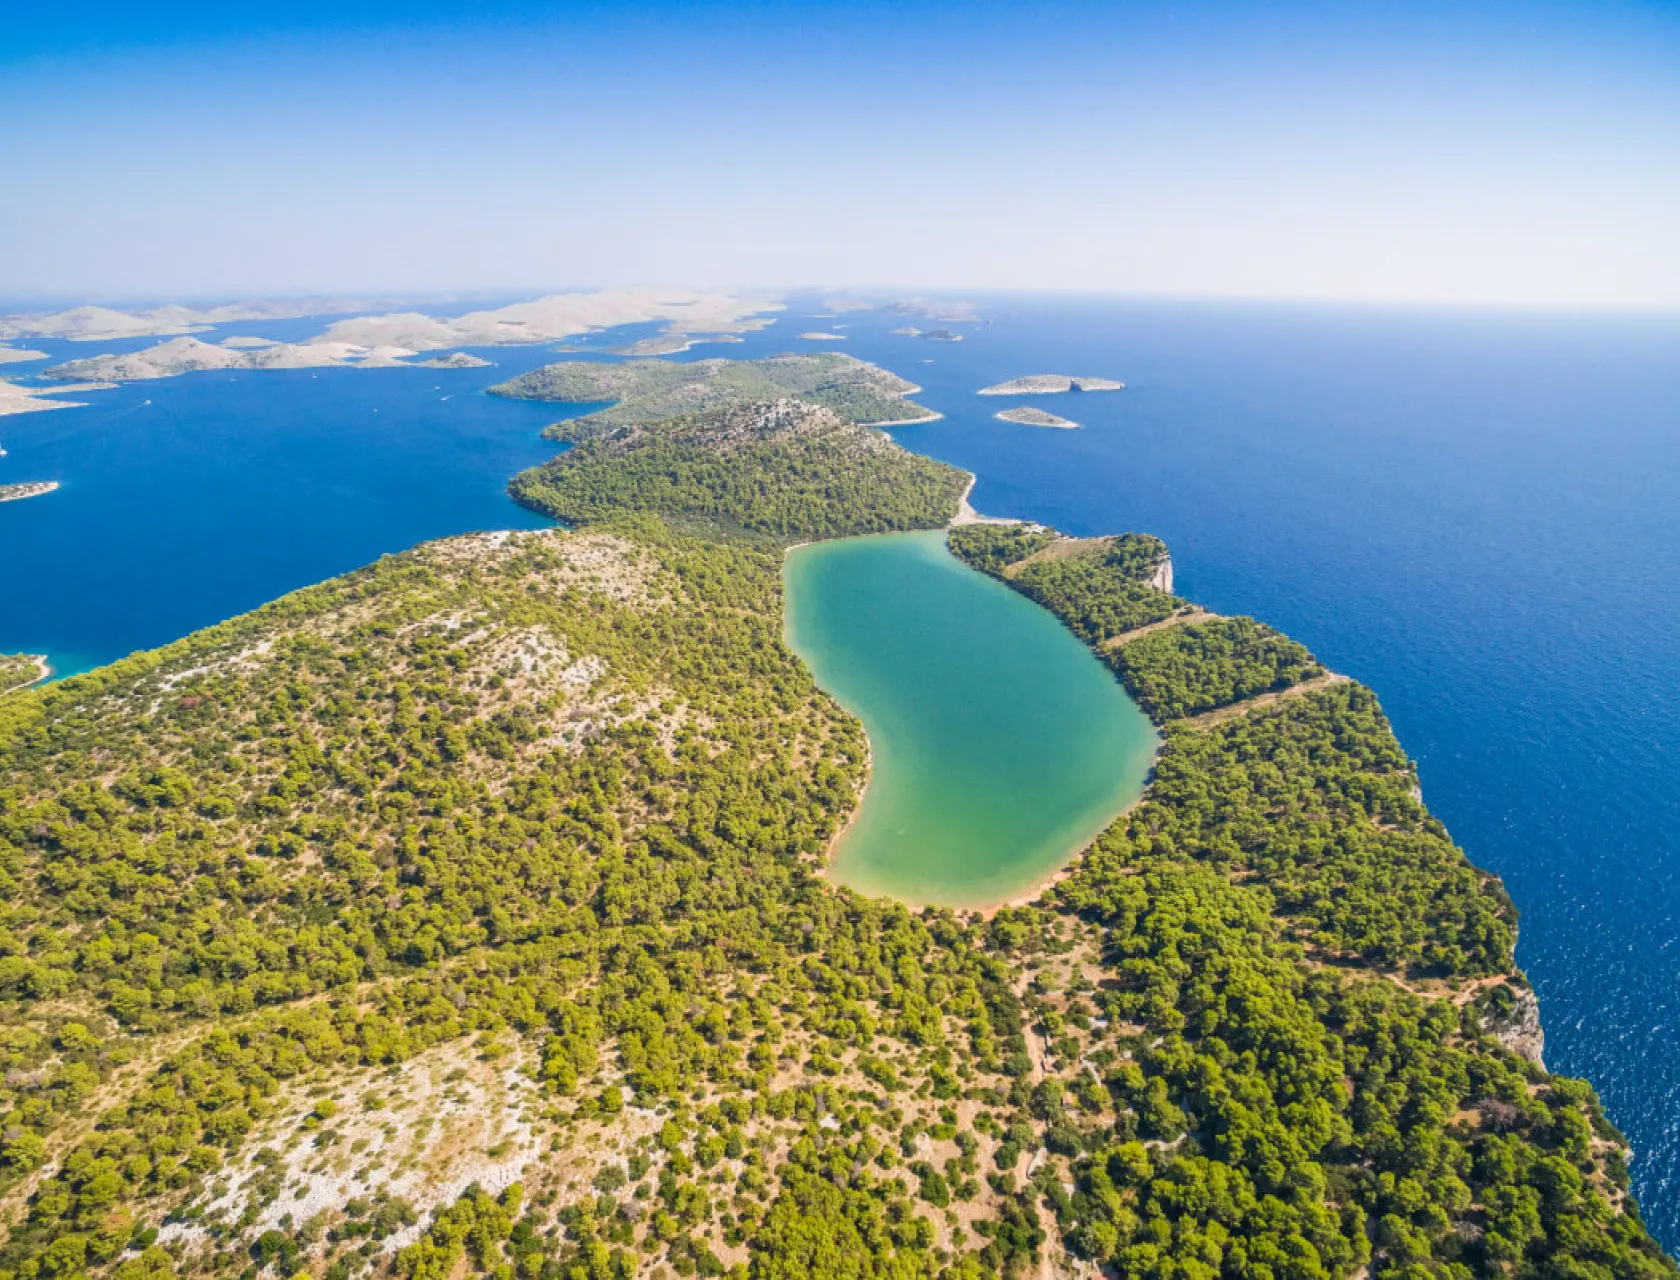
pixel 1000 746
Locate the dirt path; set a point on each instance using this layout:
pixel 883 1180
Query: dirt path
pixel 1177 620
pixel 1460 993
pixel 1210 718
pixel 1061 549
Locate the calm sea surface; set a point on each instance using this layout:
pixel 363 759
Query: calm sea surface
pixel 999 744
pixel 1477 514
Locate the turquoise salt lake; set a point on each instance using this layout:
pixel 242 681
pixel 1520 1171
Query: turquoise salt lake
pixel 999 744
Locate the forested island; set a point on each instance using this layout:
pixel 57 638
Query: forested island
pixel 465 915
pixel 642 391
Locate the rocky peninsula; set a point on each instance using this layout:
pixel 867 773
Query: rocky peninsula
pixel 28 489
pixel 15 398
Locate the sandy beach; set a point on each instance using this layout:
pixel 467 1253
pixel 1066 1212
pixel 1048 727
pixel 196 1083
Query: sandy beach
pixel 966 514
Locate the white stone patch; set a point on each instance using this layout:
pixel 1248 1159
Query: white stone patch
pixel 448 1120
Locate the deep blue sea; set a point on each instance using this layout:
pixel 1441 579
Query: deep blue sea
pixel 1478 514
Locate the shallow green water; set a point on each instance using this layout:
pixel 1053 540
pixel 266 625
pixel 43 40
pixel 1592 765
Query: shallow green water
pixel 999 744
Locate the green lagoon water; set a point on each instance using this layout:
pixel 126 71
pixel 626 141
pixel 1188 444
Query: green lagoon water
pixel 1000 745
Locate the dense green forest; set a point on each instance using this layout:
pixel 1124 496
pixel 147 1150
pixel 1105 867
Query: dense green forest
pixel 1099 586
pixel 644 391
pixel 464 916
pixel 18 669
pixel 1184 670
pixel 1323 1008
pixel 787 471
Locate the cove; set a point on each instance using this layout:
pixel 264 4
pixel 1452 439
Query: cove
pixel 999 744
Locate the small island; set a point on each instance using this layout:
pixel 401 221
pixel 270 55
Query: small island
pixel 19 355
pixel 28 489
pixel 929 335
pixel 1045 384
pixel 457 360
pixel 665 344
pixel 1027 416
pixel 823 337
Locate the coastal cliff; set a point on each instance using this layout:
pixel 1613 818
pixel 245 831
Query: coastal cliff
pixel 1513 1018
pixel 1162 578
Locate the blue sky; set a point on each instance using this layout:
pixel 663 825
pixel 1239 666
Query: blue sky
pixel 1481 153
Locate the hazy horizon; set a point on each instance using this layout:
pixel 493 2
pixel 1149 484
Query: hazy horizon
pixel 1495 154
pixel 472 298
